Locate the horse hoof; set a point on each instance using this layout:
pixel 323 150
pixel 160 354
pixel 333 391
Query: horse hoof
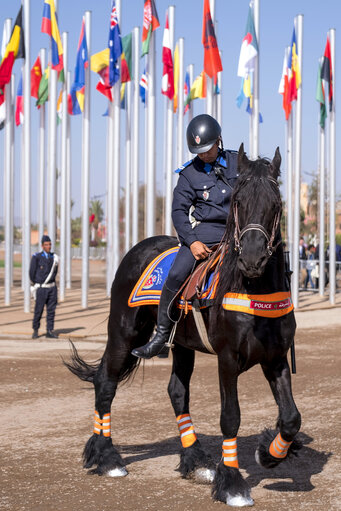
pixel 238 501
pixel 257 458
pixel 117 472
pixel 204 475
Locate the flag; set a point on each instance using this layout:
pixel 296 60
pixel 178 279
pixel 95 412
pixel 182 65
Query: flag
pixel 123 96
pixel 114 45
pixel 167 83
pixel 320 97
pixel 100 65
pixel 126 60
pixel 76 96
pixel 60 107
pixel 327 73
pixel 176 77
pixel 143 87
pixel 249 48
pixel 43 90
pixel 49 26
pixel 150 23
pixel 212 61
pixel 36 76
pixel 198 89
pixel 15 49
pixel 293 69
pixel 19 105
pixel 187 93
pixel 284 86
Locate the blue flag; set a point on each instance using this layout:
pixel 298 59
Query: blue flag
pixel 143 87
pixel 115 46
pixel 76 98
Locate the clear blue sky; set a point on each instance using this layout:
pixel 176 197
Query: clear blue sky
pixel 276 24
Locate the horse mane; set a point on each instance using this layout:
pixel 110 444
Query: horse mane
pixel 252 180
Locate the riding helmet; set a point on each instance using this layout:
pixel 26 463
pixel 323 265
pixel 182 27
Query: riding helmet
pixel 202 133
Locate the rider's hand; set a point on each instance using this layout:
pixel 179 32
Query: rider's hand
pixel 199 250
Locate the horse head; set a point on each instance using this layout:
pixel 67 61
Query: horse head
pixel 257 208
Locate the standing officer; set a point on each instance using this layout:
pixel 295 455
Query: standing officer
pixel 201 203
pixel 43 271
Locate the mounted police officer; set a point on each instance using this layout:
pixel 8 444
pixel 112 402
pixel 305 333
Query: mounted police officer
pixel 43 271
pixel 201 202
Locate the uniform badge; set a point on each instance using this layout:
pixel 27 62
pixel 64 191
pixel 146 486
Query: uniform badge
pixel 205 194
pixel 197 139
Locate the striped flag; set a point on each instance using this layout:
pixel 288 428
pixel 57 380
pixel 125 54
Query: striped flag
pixel 320 97
pixel 284 87
pixel 246 64
pixel 143 87
pixel 167 84
pixel 327 73
pixel 150 23
pixel 100 65
pixel 49 26
pixel 76 96
pixel 293 69
pixel 19 105
pixel 187 93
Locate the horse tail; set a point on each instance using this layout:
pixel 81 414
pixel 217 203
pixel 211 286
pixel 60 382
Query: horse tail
pixel 80 368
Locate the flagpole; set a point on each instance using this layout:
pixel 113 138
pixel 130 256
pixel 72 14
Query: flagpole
pixel 332 160
pixel 255 106
pixel 63 172
pixel 209 81
pixel 116 162
pixel 128 167
pixel 12 176
pixel 150 183
pixel 27 156
pixel 41 186
pixel 297 160
pixel 180 133
pixel 169 135
pixel 219 106
pixel 135 137
pixel 190 70
pixel 86 169
pixel 289 166
pixel 68 192
pixel 7 176
pixel 322 210
pixel 110 195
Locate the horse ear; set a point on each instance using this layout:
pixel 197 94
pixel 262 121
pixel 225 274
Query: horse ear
pixel 276 164
pixel 243 161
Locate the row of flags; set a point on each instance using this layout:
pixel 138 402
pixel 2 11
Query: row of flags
pixel 106 64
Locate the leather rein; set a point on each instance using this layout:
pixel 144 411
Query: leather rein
pixel 239 233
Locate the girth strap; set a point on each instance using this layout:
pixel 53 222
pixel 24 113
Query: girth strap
pixel 200 324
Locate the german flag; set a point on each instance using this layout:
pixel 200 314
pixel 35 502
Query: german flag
pixel 15 49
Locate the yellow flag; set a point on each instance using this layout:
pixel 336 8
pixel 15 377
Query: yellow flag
pixel 198 89
pixel 176 77
pixel 100 60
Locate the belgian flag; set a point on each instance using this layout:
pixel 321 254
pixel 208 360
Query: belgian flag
pixel 15 49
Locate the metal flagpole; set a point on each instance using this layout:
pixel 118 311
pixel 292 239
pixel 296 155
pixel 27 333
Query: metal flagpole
pixel 7 177
pixel 322 212
pixel 190 70
pixel 289 171
pixel 219 107
pixel 109 223
pixel 27 156
pixel 209 81
pixel 297 160
pixel 180 134
pixel 332 160
pixel 255 107
pixel 169 134
pixel 128 167
pixel 135 138
pixel 150 181
pixel 41 185
pixel 68 192
pixel 12 176
pixel 86 170
pixel 116 163
pixel 52 157
pixel 63 171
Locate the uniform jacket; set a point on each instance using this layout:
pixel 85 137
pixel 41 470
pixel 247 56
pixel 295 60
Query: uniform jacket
pixel 40 268
pixel 209 195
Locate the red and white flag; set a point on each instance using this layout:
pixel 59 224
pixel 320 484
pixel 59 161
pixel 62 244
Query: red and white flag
pixel 167 84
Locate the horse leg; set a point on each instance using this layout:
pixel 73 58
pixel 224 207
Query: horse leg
pixel 194 463
pixel 229 486
pixel 272 451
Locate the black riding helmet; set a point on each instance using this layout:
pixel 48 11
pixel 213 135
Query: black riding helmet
pixel 202 133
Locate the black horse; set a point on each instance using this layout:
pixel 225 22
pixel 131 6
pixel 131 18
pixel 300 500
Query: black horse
pixel 253 266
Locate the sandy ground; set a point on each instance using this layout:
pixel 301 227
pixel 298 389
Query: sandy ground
pixel 46 418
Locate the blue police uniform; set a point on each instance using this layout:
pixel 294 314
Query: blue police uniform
pixel 40 267
pixel 201 204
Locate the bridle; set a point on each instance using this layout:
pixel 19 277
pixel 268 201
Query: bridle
pixel 239 233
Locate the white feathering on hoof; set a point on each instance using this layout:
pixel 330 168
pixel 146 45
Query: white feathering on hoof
pixel 204 475
pixel 238 501
pixel 117 472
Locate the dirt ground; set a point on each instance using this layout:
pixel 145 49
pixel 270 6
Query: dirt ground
pixel 46 418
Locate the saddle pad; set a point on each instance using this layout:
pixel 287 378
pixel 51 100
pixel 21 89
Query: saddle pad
pixel 272 305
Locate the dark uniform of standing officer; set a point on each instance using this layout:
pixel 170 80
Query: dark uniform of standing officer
pixel 43 271
pixel 201 203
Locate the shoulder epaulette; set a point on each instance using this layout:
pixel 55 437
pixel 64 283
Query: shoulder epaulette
pixel 222 161
pixel 183 166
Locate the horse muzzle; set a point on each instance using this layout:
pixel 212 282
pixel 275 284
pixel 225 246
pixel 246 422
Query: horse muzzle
pixel 250 267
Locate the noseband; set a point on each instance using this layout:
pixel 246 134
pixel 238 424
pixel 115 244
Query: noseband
pixel 238 234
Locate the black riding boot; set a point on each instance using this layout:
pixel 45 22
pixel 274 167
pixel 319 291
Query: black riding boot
pixel 164 327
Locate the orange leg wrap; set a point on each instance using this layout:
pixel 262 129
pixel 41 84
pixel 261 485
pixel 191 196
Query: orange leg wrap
pixel 186 430
pixel 102 424
pixel 230 455
pixel 279 447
